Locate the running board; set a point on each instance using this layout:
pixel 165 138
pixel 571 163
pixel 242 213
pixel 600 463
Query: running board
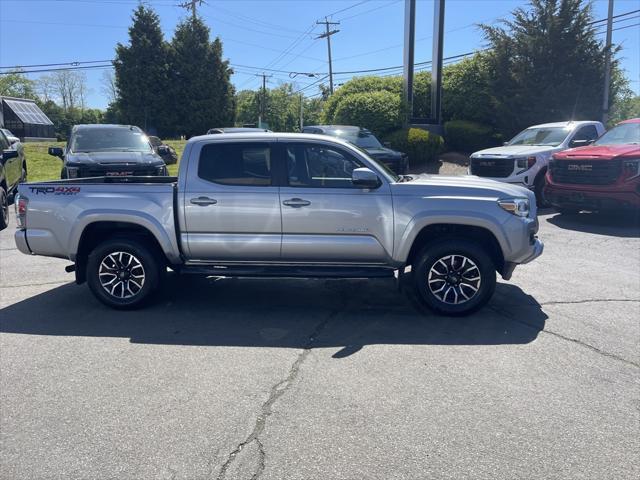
pixel 289 271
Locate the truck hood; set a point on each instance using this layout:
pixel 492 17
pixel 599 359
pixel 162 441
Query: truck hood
pixel 600 152
pixel 383 153
pixel 512 151
pixel 465 185
pixel 102 158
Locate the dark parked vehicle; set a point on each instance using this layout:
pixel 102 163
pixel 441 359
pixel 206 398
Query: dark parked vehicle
pixel 168 153
pixel 109 151
pixel 363 138
pixel 13 170
pixel 236 130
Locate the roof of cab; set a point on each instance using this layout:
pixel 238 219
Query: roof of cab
pixel 106 125
pixel 266 136
pixel 571 123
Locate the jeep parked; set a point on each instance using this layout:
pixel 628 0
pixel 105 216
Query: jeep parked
pixel 602 176
pixel 109 150
pixel 288 205
pixel 524 159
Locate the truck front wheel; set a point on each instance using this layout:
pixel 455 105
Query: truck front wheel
pixel 122 273
pixel 454 277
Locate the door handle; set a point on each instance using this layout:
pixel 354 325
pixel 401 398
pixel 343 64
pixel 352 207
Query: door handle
pixel 203 201
pixel 296 202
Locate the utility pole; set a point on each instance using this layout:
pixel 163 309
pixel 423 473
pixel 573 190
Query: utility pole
pixel 436 61
pixel 607 67
pixel 301 112
pixel 191 5
pixel 408 60
pixel 327 35
pixel 263 98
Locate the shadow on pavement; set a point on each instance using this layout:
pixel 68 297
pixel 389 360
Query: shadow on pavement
pixel 284 313
pixel 623 224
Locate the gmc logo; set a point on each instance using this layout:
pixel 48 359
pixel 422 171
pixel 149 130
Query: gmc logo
pixel 486 164
pixel 119 174
pixel 580 168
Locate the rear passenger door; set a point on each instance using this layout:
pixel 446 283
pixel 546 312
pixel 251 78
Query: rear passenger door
pixel 231 206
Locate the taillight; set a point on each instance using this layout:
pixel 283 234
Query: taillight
pixel 21 210
pixel 630 169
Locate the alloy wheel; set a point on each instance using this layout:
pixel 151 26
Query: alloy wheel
pixel 121 275
pixel 454 279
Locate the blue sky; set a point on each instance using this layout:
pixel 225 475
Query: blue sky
pixel 276 34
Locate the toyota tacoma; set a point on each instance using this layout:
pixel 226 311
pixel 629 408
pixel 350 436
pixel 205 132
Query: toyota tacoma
pixel 288 205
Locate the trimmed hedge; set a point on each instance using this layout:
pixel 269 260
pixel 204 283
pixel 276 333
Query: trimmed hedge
pixel 466 136
pixel 421 146
pixel 379 111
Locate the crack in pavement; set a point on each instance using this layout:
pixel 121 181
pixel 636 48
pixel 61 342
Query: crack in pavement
pixel 593 348
pixel 277 391
pixel 596 300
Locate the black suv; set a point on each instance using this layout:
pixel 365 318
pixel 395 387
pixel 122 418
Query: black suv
pixel 363 138
pixel 109 151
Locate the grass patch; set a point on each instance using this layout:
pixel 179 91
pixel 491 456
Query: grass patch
pixel 41 166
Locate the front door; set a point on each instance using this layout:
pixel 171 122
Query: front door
pixel 325 218
pixel 231 206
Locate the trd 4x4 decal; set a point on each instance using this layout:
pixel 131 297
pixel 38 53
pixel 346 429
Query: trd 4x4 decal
pixel 55 190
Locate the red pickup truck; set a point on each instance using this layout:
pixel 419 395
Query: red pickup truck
pixel 602 176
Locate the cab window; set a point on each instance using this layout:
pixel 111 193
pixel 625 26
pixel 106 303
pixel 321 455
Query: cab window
pixel 319 166
pixel 246 164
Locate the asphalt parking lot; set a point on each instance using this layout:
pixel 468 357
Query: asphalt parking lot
pixel 314 379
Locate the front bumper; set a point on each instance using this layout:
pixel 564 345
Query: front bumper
pixel 563 197
pixel 536 250
pixel 21 242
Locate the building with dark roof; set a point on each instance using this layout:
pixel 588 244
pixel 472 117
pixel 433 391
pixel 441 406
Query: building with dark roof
pixel 25 119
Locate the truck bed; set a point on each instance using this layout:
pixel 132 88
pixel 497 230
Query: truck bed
pixel 60 210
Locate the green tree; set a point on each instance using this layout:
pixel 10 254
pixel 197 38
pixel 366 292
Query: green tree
pixel 247 107
pixel 546 63
pixel 625 108
pixel 17 85
pixel 141 71
pixel 203 96
pixel 379 111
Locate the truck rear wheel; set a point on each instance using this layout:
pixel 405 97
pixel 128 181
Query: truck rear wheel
pixel 4 208
pixel 454 277
pixel 123 273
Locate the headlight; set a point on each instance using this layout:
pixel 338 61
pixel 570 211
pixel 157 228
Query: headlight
pixel 162 170
pixel 630 168
pixel 516 206
pixel 525 163
pixel 72 172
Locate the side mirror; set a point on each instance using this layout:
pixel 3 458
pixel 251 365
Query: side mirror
pixel 56 152
pixel 163 150
pixel 387 144
pixel 505 143
pixel 365 178
pixel 9 154
pixel 13 142
pixel 155 141
pixel 579 143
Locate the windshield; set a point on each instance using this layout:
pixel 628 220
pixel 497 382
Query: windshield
pixel 625 134
pixel 361 138
pixel 109 139
pixel 547 136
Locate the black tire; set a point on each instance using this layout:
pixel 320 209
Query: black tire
pixel 106 258
pixel 4 208
pixel 23 175
pixel 538 186
pixel 469 261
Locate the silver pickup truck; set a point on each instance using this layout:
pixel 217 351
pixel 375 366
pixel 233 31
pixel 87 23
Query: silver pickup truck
pixel 286 205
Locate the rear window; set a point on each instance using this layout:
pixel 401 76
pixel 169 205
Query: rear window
pixel 236 164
